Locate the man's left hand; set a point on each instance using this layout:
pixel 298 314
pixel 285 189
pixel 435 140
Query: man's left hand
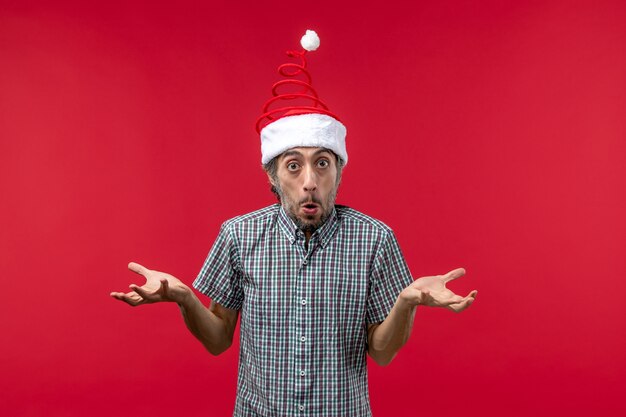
pixel 432 292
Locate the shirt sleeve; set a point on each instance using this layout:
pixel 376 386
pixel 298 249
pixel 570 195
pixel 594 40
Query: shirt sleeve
pixel 220 276
pixel 390 275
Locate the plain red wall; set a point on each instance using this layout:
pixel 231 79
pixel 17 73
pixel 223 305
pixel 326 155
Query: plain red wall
pixel 488 134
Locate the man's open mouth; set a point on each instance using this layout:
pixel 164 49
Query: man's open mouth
pixel 310 209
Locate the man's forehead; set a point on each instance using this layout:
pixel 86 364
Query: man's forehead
pixel 306 151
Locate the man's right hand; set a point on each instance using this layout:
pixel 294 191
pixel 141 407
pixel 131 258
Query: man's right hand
pixel 159 287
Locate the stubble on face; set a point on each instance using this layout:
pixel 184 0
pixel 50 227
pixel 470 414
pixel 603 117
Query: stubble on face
pixel 307 224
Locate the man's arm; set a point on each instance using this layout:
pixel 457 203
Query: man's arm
pixel 385 339
pixel 213 327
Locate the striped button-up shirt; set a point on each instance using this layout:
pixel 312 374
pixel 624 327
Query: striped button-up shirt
pixel 304 307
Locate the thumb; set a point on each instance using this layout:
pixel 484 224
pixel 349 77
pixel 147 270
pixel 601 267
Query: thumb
pixel 138 269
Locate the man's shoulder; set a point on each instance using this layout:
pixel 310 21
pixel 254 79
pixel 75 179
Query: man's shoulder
pixel 353 218
pixel 265 215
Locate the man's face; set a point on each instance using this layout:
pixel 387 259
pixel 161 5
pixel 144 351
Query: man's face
pixel 307 185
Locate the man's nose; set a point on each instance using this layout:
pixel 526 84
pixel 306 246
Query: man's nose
pixel 310 179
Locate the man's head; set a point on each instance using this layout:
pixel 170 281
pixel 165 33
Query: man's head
pixel 303 143
pixel 305 180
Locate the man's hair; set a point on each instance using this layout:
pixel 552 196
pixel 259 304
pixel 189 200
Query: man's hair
pixel 272 170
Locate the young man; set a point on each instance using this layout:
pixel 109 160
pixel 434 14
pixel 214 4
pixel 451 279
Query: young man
pixel 318 285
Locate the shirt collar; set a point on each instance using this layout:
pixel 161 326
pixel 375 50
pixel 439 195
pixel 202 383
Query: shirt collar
pixel 324 234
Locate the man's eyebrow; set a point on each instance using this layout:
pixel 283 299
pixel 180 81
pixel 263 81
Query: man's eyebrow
pixel 291 153
pixel 323 150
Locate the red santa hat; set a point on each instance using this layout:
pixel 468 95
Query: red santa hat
pixel 295 115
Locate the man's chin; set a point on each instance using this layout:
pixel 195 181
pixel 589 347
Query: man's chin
pixel 308 223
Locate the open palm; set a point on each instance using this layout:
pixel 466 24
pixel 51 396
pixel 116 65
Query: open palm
pixel 432 291
pixel 159 287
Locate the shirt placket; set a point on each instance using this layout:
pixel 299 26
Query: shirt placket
pixel 303 329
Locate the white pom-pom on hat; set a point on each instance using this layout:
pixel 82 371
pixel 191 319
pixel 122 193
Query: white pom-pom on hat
pixel 310 41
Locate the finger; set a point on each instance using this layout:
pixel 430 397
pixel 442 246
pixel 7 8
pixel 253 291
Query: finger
pixel 454 299
pixel 469 297
pixel 457 308
pixel 436 300
pixel 466 304
pixel 138 269
pixel 118 295
pixel 130 298
pixel 454 274
pixel 446 303
pixel 142 292
pixel 165 286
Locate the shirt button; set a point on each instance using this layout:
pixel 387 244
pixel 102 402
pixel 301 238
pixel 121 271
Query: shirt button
pixel 301 408
pixel 305 262
pixel 303 339
pixel 303 302
pixel 302 373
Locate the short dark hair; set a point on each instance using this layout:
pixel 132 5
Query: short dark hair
pixel 271 168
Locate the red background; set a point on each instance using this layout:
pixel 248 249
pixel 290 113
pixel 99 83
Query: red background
pixel 487 134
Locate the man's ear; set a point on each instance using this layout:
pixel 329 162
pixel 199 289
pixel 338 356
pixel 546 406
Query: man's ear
pixel 269 178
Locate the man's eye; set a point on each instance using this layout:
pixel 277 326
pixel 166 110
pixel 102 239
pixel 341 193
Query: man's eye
pixel 323 163
pixel 292 166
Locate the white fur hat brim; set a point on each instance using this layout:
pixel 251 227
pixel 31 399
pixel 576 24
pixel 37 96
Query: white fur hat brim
pixel 303 130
